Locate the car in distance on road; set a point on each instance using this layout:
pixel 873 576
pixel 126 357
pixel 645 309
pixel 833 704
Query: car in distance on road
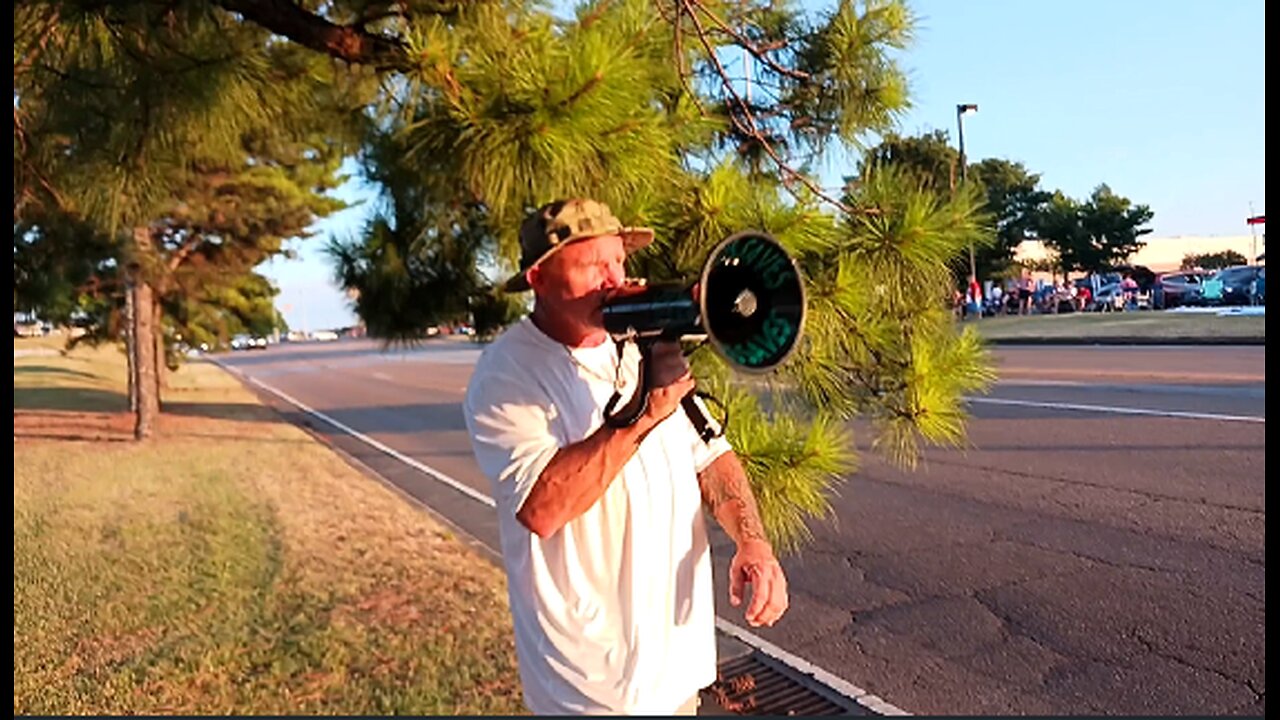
pixel 248 342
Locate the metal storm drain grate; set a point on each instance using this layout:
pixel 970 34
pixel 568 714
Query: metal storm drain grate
pixel 753 684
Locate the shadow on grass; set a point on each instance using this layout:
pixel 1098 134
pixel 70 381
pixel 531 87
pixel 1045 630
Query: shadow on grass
pixel 51 370
pixel 62 424
pixel 93 401
pixel 245 412
pixel 80 426
pixel 88 400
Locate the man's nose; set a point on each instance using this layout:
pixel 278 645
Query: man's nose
pixel 614 276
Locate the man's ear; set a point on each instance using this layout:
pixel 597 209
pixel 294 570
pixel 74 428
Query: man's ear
pixel 533 276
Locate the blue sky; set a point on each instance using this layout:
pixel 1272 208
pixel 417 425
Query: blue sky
pixel 1163 100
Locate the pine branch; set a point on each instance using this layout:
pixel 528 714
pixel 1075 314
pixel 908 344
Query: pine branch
pixel 350 43
pixel 375 12
pixel 62 75
pixel 26 196
pixel 184 251
pixel 29 58
pixel 750 128
pixel 679 51
pixel 591 82
pixel 759 52
pixel 594 16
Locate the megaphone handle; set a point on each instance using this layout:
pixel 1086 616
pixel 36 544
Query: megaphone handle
pixel 639 402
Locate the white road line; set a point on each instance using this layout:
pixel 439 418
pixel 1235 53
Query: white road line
pixel 795 662
pixel 1118 410
pixel 799 664
pixel 419 466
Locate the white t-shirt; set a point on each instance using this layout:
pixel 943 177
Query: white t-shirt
pixel 615 612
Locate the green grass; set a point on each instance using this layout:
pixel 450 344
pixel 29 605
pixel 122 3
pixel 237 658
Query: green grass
pixel 1137 325
pixel 231 565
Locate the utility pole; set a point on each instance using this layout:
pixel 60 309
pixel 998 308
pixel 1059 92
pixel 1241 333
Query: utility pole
pixel 961 109
pixel 1253 243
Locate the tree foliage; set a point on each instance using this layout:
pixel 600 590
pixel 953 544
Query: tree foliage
pixel 182 137
pixel 1213 261
pixel 488 109
pixel 1014 199
pixel 1010 193
pixel 417 262
pixel 1094 235
pixel 635 103
pixel 929 158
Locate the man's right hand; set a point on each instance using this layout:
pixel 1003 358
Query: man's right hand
pixel 670 378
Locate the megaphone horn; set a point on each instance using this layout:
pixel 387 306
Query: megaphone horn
pixel 749 303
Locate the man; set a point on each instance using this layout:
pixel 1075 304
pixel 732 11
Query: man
pixel 1026 294
pixel 975 297
pixel 606 552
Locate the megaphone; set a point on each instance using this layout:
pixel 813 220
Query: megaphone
pixel 748 303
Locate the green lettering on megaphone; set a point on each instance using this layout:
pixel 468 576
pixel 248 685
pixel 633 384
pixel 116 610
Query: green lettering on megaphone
pixel 775 336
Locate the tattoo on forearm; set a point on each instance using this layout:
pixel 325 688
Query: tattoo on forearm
pixel 728 493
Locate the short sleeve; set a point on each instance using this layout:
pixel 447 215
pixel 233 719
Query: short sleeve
pixel 705 453
pixel 510 429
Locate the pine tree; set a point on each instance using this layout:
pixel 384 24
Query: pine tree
pixel 129 116
pixel 512 108
pixel 496 107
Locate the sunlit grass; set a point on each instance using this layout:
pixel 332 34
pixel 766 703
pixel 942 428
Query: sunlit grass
pixel 232 565
pixel 1140 325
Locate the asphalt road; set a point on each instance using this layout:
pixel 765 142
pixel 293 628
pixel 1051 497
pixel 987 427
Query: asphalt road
pixel 1098 549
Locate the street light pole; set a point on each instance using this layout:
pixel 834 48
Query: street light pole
pixel 961 109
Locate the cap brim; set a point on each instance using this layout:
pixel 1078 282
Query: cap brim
pixel 516 283
pixel 636 238
pixel 633 239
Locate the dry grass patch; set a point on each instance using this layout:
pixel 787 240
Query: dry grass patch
pixel 231 566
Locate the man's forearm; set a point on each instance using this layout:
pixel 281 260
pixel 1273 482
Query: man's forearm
pixel 578 476
pixel 727 492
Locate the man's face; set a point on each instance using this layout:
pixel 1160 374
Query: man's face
pixel 575 281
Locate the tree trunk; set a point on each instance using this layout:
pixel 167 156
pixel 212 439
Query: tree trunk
pixel 144 342
pixel 145 350
pixel 145 326
pixel 162 361
pixel 129 351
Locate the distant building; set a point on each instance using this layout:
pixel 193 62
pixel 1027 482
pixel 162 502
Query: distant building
pixel 1164 254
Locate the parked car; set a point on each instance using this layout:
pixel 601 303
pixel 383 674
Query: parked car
pixel 1093 286
pixel 248 342
pixel 1232 286
pixel 1107 292
pixel 1177 288
pixel 1109 297
pixel 29 329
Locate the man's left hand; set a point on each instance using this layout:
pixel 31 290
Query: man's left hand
pixel 755 564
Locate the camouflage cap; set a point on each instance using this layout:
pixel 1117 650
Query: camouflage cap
pixel 559 223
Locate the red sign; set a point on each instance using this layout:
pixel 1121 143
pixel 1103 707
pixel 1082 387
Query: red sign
pixel 1257 220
